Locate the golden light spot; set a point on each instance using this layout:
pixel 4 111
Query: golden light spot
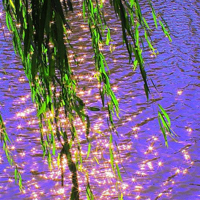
pixel 138 188
pixel 149 164
pixel 189 130
pixel 160 194
pixel 19 126
pixel 186 156
pixel 44 129
pixel 21 79
pixel 185 171
pixel 18 25
pixel 137 197
pixel 60 191
pixel 115 88
pixel 51 45
pixel 179 92
pixel 10 180
pixel 177 171
pixel 69 31
pixel 150 148
pixel 154 138
pixel 135 128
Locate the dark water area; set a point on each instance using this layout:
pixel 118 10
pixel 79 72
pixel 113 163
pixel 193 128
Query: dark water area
pixel 150 170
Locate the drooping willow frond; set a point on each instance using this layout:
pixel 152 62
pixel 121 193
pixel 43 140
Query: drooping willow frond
pixel 5 140
pixel 40 37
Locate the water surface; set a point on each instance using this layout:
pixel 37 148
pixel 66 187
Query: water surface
pixel 150 170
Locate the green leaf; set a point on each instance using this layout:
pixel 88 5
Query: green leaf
pixel 164 122
pixel 165 114
pixel 108 37
pixel 162 129
pixel 118 172
pixel 20 181
pixel 154 18
pixel 111 138
pixel 93 108
pixel 89 149
pixel 148 41
pixel 7 21
pixel 146 88
pixel 16 175
pixel 96 160
pixel 42 109
pixel 89 193
pixel 54 148
pixel 135 64
pixel 137 34
pixel 145 22
pixel 12 4
pixel 83 9
pixel 58 160
pixel 111 158
pixel 165 31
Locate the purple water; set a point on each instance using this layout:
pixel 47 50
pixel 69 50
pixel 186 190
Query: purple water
pixel 150 170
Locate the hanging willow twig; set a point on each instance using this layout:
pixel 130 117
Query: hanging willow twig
pixel 6 144
pixel 40 38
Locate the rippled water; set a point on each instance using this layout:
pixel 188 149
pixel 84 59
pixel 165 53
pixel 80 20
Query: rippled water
pixel 150 170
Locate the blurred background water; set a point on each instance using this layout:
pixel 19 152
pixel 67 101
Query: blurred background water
pixel 149 169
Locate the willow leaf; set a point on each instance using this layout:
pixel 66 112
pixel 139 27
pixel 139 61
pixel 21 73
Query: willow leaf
pixel 165 114
pixel 163 131
pixel 89 149
pixel 118 172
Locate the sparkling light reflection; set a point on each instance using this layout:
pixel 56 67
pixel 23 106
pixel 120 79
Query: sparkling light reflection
pixel 140 151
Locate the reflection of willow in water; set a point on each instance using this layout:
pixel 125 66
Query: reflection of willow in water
pixel 41 38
